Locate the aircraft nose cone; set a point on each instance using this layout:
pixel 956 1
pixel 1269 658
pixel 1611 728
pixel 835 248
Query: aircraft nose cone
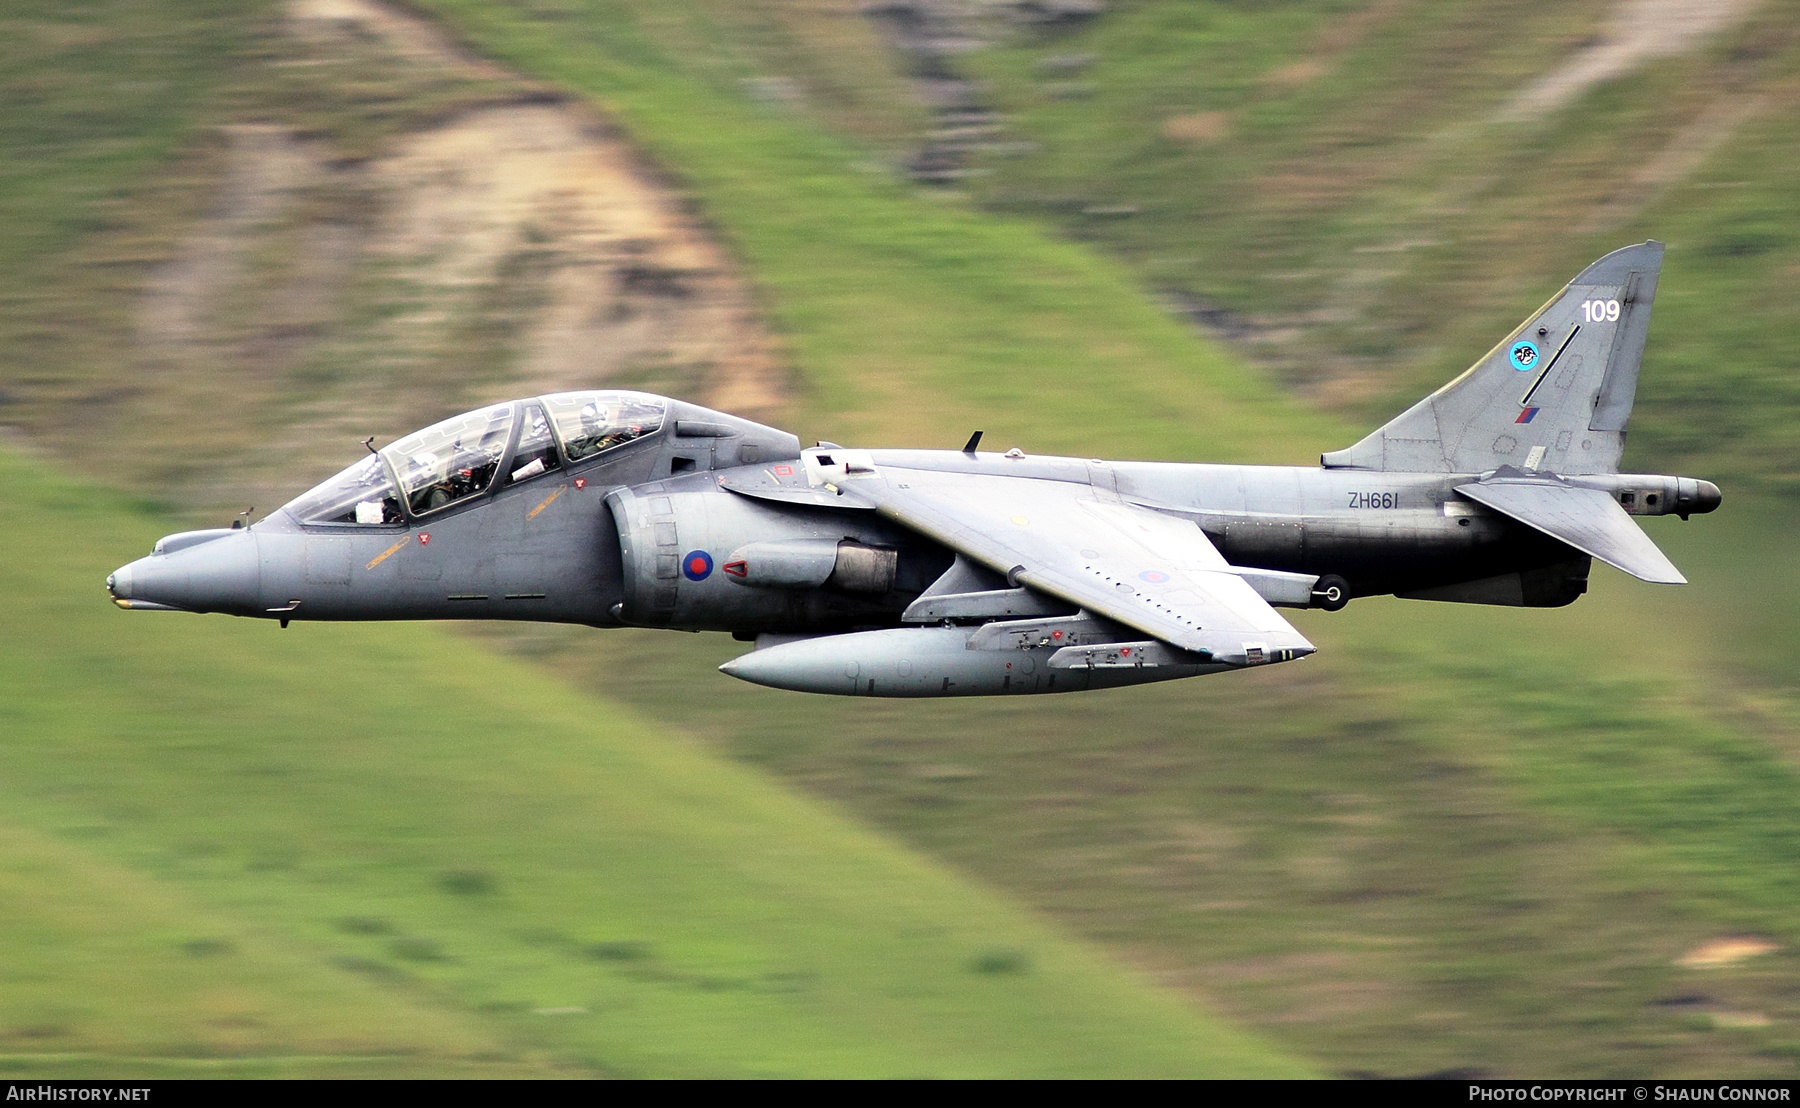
pixel 137 585
pixel 222 575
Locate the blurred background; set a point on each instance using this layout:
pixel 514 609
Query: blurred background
pixel 238 237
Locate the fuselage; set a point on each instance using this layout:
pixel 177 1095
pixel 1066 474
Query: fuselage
pixel 551 549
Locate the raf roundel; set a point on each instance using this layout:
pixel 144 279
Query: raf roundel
pixel 697 566
pixel 1524 355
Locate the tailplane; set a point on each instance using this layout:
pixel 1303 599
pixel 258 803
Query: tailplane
pixel 1588 519
pixel 1554 397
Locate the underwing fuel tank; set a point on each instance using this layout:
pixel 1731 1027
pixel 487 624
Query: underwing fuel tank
pixel 1057 654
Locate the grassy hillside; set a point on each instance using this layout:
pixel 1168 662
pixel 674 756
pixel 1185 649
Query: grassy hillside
pixel 906 316
pixel 1518 776
pixel 1456 839
pixel 354 852
pixel 324 850
pixel 1361 186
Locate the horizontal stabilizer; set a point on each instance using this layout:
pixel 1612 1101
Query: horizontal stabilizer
pixel 1587 519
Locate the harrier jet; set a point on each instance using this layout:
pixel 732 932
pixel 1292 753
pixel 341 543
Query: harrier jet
pixel 916 573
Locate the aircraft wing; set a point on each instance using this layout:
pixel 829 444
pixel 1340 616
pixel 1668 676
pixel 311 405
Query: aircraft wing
pixel 1587 519
pixel 1152 572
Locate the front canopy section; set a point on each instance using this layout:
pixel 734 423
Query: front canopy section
pixel 451 460
pixel 362 493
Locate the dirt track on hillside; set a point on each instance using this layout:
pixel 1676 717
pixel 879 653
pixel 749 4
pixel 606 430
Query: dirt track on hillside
pixel 1637 31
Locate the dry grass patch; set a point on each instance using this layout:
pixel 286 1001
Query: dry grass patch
pixel 1197 128
pixel 1724 952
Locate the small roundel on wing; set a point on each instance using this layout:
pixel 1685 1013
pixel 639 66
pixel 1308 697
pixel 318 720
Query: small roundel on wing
pixel 1524 355
pixel 1154 576
pixel 697 565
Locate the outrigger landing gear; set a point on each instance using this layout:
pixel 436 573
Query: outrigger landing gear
pixel 1331 593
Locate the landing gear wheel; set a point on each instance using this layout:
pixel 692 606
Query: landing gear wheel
pixel 1331 593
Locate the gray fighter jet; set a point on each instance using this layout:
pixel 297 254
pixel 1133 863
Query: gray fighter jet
pixel 959 573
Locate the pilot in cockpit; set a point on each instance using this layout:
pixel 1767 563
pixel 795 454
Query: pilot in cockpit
pixel 594 420
pixel 441 493
pixel 433 479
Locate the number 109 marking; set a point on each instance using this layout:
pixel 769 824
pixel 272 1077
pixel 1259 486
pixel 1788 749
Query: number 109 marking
pixel 1600 311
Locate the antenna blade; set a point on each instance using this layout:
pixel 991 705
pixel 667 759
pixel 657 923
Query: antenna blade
pixel 974 441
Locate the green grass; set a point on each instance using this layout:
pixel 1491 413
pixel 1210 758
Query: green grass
pixel 228 841
pixel 98 93
pixel 1463 838
pixel 352 853
pixel 201 149
pixel 907 317
pixel 1458 838
pixel 1358 202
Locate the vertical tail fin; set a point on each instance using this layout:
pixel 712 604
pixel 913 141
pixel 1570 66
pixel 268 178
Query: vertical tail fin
pixel 1554 396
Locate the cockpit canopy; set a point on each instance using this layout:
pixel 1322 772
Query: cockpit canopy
pixel 591 422
pixel 450 460
pixel 461 457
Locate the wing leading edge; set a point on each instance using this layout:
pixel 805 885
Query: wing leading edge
pixel 1152 572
